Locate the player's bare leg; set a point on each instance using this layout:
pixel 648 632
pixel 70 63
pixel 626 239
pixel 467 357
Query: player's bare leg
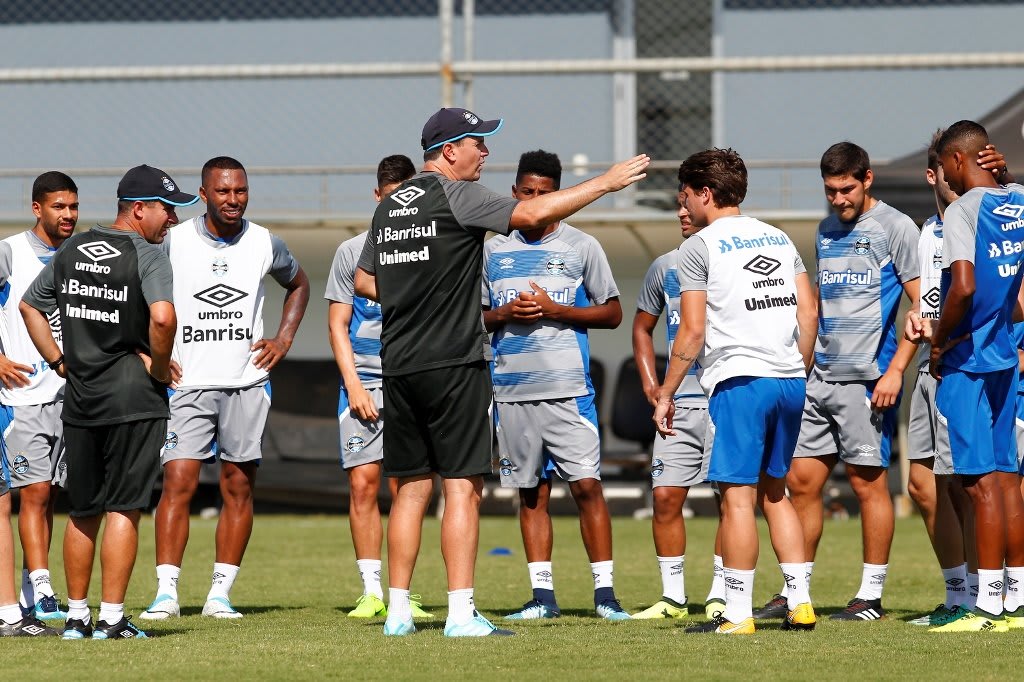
pixel 871 485
pixel 806 480
pixel 364 512
pixel 181 478
pixel 535 522
pixel 596 529
pixel 234 528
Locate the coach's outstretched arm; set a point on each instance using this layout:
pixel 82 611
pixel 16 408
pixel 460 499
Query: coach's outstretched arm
pixel 685 349
pixel 550 208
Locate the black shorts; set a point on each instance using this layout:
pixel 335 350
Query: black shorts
pixel 113 467
pixel 438 421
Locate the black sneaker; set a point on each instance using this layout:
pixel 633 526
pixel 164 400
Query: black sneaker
pixel 777 607
pixel 860 609
pixel 77 628
pixel 26 627
pixel 122 629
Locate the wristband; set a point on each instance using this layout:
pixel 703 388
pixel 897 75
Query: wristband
pixel 56 363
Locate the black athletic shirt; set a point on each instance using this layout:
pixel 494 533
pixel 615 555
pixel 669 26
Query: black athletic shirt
pixel 425 247
pixel 103 282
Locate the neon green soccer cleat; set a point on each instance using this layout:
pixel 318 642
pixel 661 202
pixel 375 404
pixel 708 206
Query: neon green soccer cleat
pixel 369 606
pixel 974 621
pixel 416 602
pixel 666 608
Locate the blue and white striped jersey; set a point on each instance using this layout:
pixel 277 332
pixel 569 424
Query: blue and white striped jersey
pixel 660 292
pixel 547 360
pixel 364 327
pixel 861 271
pixel 985 226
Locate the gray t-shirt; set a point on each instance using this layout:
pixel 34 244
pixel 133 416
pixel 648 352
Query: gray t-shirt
pixel 43 252
pixel 661 292
pixel 364 325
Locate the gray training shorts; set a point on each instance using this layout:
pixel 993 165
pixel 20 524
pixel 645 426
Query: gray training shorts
pixel 33 439
pixel 362 442
pixel 681 460
pixel 213 422
pixel 838 419
pixel 536 438
pixel 926 435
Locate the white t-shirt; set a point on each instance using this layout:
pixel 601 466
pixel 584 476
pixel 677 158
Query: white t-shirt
pixel 748 270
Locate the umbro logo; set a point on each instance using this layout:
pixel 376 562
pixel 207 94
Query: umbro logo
pixel 1009 211
pixel 406 196
pixel 878 577
pixel 98 251
pixel 866 449
pixel 220 295
pixel 546 575
pixel 733 581
pixel 676 569
pixel 762 265
pixel 933 298
pixel 32 629
pixel 954 582
pixel 506 263
pixel 997 585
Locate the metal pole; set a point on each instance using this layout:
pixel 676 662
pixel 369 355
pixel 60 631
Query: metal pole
pixel 717 77
pixel 446 18
pixel 469 29
pixel 624 88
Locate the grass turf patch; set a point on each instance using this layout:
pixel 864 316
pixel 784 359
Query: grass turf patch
pixel 299 581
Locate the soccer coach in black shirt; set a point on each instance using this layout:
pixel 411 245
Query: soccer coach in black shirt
pixel 112 290
pixel 423 261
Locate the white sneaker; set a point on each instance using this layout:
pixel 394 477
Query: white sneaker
pixel 162 608
pixel 219 607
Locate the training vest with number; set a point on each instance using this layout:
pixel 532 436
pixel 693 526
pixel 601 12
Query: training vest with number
pixel 218 297
pixel 44 384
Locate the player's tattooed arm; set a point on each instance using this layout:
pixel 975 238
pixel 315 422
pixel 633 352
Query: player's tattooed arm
pixel 690 359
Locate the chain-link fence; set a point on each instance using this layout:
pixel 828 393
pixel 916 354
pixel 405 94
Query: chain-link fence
pixel 311 93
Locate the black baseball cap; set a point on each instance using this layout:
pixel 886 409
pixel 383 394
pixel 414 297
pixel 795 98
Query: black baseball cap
pixel 145 183
pixel 449 125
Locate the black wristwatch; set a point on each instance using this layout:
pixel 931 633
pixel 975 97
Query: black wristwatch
pixel 56 363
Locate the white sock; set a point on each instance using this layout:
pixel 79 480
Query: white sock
pixel 399 606
pixel 956 585
pixel 369 571
pixel 10 613
pixel 795 576
pixel 972 590
pixel 28 592
pixel 990 592
pixel 810 570
pixel 738 595
pixel 717 581
pixel 673 579
pixel 111 613
pixel 602 572
pixel 460 606
pixel 79 609
pixel 872 580
pixel 223 578
pixel 41 582
pixel 1014 596
pixel 541 577
pixel 167 580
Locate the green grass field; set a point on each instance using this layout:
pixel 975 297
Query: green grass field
pixel 299 580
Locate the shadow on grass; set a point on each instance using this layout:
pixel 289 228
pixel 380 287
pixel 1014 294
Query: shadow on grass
pixel 245 610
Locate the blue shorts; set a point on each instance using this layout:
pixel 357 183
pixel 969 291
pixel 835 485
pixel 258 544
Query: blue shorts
pixel 978 409
pixel 756 422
